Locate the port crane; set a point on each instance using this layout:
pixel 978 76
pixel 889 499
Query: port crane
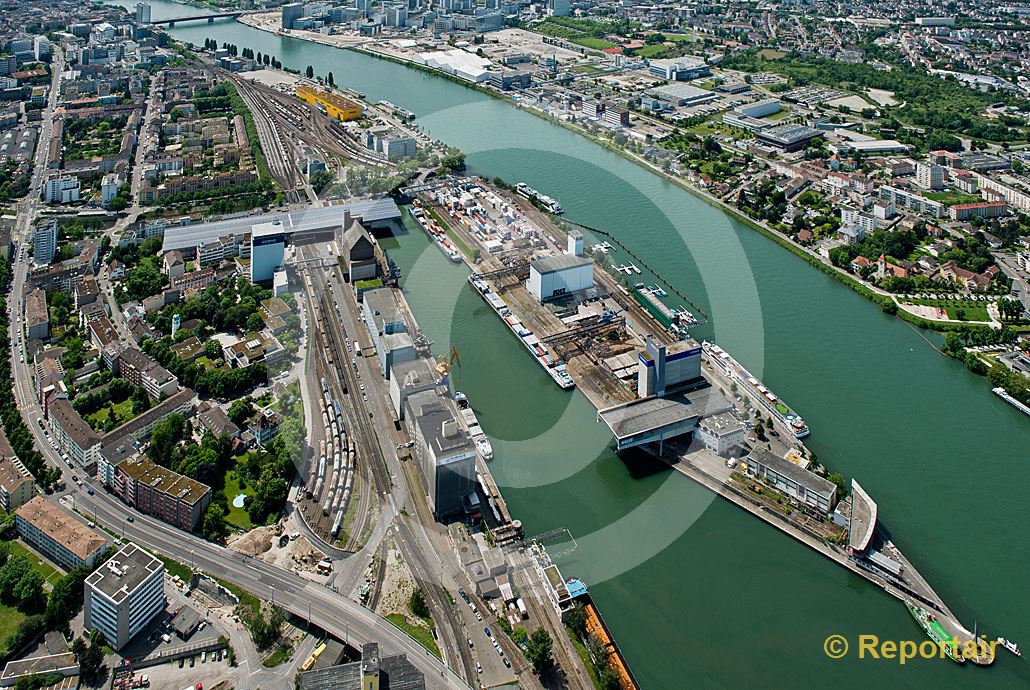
pixel 443 367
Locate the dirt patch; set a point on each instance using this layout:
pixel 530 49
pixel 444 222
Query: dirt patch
pixel 397 586
pixel 263 543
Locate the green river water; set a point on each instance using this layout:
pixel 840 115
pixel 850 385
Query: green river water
pixel 697 592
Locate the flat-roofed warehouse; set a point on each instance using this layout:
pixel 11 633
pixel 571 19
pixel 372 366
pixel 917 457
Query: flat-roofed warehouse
pixel 789 137
pixel 656 420
pixel 559 275
pixel 306 224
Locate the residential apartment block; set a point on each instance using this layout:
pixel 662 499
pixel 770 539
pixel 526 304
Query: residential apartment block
pixel 59 535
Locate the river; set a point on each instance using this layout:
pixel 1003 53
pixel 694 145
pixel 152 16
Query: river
pixel 697 592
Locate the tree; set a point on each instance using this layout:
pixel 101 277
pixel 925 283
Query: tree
pixel 10 576
pixel 165 437
pixel 214 527
pixel 212 350
pixel 240 411
pixel 310 72
pixel 265 630
pixel 576 619
pixel 842 487
pixel 538 650
pixel 65 599
pixel 29 593
pixel 90 657
pixel 417 604
pixel 330 80
pixel 255 323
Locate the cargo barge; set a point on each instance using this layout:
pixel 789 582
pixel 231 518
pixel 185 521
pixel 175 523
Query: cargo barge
pixel 755 390
pixel 554 367
pixel 472 424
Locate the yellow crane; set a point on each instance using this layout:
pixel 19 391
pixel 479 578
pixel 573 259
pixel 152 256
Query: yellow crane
pixel 443 367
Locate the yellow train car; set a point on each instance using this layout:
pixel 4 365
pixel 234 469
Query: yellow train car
pixel 336 106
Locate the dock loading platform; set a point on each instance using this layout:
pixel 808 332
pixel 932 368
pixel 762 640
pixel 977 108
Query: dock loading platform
pixel 656 420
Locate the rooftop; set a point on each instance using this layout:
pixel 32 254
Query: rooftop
pixel 802 477
pixel 863 518
pixel 559 262
pixel 72 423
pixel 309 220
pixel 62 527
pixel 143 470
pixel 124 572
pixel 156 412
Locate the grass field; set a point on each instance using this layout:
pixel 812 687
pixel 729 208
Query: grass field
pixel 45 570
pixel 416 631
pixel 770 54
pixel 951 198
pixel 970 311
pixel 653 50
pixel 10 619
pixel 177 568
pixel 591 42
pixel 122 413
pixel 237 517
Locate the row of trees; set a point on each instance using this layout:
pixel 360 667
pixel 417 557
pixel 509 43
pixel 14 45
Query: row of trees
pixel 18 435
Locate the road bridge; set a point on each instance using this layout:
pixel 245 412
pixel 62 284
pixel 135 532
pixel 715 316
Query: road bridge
pixel 172 21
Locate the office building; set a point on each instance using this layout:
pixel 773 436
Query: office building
pixel 912 200
pixel 721 433
pixel 408 378
pixel 445 453
pixel 291 13
pixel 383 314
pixel 109 188
pixel 37 316
pixel 124 595
pixel 789 137
pixel 142 13
pixel 663 368
pixel 679 69
pixel 390 142
pixel 979 209
pixel 683 94
pixel 810 491
pixel 44 243
pixel 359 251
pixel 71 434
pixel 555 276
pixel 16 484
pixel 59 535
pixel 267 250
